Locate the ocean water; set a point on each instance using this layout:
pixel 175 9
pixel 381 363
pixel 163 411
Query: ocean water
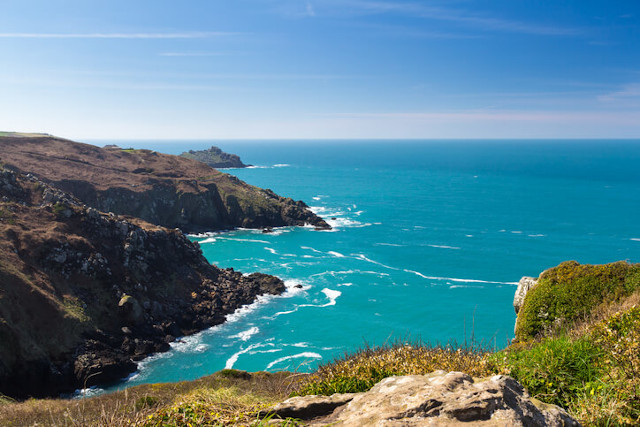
pixel 428 243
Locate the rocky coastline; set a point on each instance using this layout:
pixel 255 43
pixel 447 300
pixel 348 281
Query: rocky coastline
pixel 171 191
pixel 85 294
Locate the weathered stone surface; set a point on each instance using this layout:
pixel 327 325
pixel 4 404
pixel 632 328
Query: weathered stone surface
pixel 309 407
pixel 524 285
pixel 437 399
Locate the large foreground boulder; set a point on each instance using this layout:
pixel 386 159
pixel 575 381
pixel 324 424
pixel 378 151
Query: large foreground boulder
pixel 437 399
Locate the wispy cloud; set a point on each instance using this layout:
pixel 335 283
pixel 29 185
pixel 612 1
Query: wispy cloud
pixel 310 10
pixel 463 17
pixel 630 91
pixel 186 35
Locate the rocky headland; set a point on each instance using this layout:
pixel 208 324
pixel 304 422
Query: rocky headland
pixel 162 189
pixel 215 157
pixel 85 294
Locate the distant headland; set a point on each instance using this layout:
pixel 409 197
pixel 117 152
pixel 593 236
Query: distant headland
pixel 215 157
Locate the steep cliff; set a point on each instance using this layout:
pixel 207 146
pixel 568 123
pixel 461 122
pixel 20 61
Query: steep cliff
pixel 83 294
pixel 167 190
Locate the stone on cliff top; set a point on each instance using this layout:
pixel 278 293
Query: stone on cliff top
pixel 439 398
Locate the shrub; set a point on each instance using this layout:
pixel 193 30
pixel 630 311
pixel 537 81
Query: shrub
pixel 571 291
pixel 556 370
pixel 619 337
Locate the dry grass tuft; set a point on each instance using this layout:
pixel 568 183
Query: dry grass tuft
pixel 362 370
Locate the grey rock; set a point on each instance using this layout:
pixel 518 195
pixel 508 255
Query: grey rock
pixel 437 399
pixel 524 285
pixel 130 310
pixel 308 407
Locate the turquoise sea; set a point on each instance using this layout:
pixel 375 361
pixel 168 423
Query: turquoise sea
pixel 429 241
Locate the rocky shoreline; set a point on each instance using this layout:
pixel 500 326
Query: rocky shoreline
pixel 85 294
pixel 171 191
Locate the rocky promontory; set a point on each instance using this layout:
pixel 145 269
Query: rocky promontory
pixel 84 294
pixel 215 157
pixel 162 189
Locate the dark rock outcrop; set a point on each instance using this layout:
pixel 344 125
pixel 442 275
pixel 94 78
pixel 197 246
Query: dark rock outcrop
pixel 84 294
pixel 215 157
pixel 167 190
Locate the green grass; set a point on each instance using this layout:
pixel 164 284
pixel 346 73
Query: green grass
pixel 555 370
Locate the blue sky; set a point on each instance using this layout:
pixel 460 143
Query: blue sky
pixel 321 69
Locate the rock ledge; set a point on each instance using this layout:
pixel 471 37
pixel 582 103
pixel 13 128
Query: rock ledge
pixel 440 398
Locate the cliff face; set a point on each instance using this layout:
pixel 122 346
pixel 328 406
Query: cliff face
pixel 83 294
pixel 171 191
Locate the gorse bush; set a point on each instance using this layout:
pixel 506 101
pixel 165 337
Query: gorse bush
pixel 571 291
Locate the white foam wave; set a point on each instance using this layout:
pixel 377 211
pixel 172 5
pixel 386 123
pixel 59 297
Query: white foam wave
pixel 454 279
pixel 189 344
pixel 246 309
pixel 249 240
pixel 246 335
pixel 443 247
pixel 208 240
pixel 329 293
pixel 316 198
pixel 280 230
pixel 364 258
pixel 345 284
pixel 88 392
pixel 201 235
pixel 341 222
pixel 318 209
pixel 332 295
pixel 306 355
pixel 635 239
pixel 273 251
pixel 516 232
pixel 273 350
pixel 294 287
pixel 336 254
pixel 234 357
pixel 346 272
pixel 281 165
pixel 536 235
pixel 389 244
